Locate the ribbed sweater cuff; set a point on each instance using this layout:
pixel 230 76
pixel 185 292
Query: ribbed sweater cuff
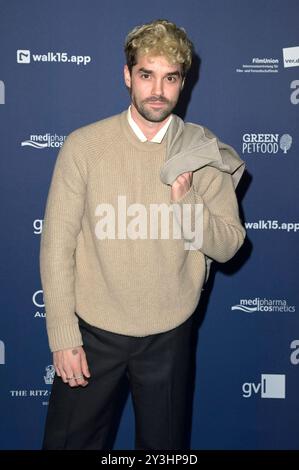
pixel 189 197
pixel 65 336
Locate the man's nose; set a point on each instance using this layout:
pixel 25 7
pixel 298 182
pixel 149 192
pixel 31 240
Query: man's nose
pixel 157 89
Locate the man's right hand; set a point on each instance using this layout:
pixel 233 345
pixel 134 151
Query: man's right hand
pixel 71 365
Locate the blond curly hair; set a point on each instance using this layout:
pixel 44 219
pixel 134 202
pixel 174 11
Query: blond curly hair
pixel 160 37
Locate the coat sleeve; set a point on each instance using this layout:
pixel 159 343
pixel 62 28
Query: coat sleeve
pixel 222 233
pixel 61 226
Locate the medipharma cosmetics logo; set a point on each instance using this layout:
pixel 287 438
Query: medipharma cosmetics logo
pixel 290 56
pixel 263 305
pixel 43 141
pixel 270 386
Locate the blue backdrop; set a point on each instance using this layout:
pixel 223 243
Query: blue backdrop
pixel 61 68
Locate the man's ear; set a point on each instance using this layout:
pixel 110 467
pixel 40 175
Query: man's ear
pixel 127 76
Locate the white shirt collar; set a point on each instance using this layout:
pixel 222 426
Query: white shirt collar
pixel 157 138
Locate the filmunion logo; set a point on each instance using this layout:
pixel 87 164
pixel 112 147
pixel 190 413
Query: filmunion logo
pixel 290 56
pixel 43 141
pixel 263 305
pixel 50 373
pixel 270 386
pixel 266 143
pixel 264 60
pixel 2 92
pixel 143 225
pixel 259 65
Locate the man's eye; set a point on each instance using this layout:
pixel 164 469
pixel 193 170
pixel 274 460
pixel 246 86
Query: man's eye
pixel 145 75
pixel 171 78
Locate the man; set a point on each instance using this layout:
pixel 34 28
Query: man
pixel 119 298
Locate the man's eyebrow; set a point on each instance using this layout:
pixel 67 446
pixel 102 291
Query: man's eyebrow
pixel 176 73
pixel 144 70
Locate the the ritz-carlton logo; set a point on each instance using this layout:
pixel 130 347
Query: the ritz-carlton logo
pixel 50 373
pixel 263 305
pixel 253 143
pixel 42 141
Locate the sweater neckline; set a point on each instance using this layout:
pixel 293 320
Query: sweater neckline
pixel 147 146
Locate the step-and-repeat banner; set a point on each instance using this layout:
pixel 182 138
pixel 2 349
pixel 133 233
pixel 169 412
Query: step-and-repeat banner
pixel 61 67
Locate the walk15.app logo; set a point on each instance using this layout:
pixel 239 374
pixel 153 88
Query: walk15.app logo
pixel 270 386
pixel 2 92
pixel 25 56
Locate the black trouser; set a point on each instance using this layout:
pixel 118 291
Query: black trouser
pixel 160 371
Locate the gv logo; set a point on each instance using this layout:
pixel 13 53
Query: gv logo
pixel 271 386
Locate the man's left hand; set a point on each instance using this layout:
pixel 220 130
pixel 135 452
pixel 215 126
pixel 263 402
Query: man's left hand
pixel 181 185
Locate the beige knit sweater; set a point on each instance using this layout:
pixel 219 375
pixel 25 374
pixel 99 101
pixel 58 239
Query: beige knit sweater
pixel 132 286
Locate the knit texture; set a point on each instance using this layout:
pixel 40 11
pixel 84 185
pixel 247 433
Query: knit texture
pixel 134 287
